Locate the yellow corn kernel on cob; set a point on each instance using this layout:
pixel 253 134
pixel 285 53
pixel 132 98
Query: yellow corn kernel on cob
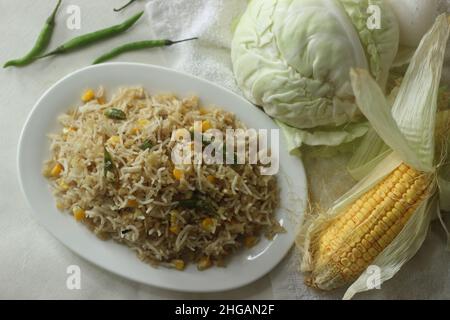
pixel 351 242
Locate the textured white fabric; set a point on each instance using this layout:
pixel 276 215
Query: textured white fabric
pixel 212 22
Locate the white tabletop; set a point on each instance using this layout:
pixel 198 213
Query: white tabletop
pixel 33 264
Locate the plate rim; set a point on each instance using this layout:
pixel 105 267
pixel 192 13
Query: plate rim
pixel 41 222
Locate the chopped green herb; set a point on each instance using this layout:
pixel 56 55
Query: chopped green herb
pixel 147 144
pixel 109 165
pixel 115 114
pixel 189 203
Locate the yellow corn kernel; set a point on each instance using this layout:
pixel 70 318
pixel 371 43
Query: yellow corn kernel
pixel 60 205
pixel 173 216
pixel 250 241
pixel 174 226
pixel 69 129
pixel 202 111
pixel 178 174
pixel 204 263
pixel 88 95
pixel 134 130
pixel 132 203
pixel 175 229
pixel 78 213
pixel 142 122
pixel 208 224
pixel 206 125
pixel 56 170
pixel 359 234
pixel 63 185
pixel 114 140
pixel 211 179
pixel 179 264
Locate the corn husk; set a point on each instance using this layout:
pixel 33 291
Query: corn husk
pixel 408 129
pixel 404 56
pixel 369 154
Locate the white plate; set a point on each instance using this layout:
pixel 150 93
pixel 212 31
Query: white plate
pixel 244 267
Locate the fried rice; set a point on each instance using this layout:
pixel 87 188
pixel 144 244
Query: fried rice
pixel 115 175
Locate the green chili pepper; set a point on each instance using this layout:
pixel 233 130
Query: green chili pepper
pixel 109 166
pixel 197 201
pixel 126 5
pixel 147 144
pixel 189 203
pixel 41 43
pixel 115 114
pixel 93 37
pixel 133 46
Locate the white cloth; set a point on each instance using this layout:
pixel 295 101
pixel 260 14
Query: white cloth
pixel 212 22
pixel 426 276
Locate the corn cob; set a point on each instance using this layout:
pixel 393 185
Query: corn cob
pixel 351 242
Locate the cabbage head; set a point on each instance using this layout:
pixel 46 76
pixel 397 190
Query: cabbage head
pixel 293 57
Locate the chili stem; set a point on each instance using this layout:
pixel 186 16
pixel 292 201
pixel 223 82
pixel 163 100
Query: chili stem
pixel 123 7
pixel 184 40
